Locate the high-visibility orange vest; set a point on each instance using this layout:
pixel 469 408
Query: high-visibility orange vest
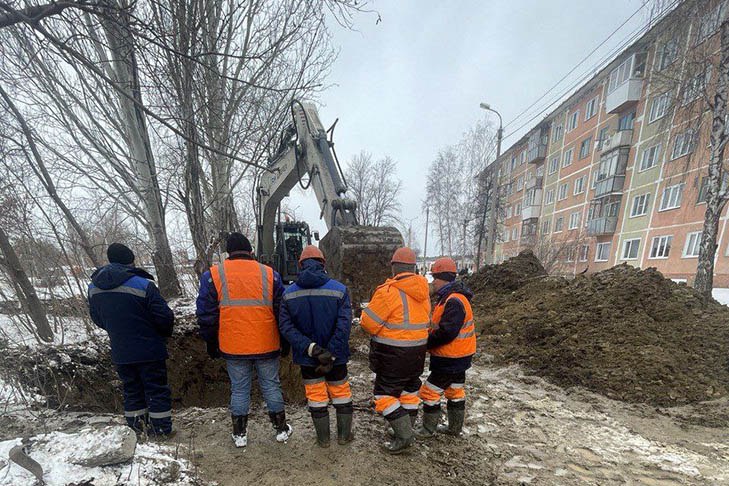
pixel 245 296
pixel 398 313
pixel 465 343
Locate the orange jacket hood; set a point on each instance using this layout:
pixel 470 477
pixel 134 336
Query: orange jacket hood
pixel 415 286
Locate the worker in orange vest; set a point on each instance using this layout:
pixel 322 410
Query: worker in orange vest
pixel 237 310
pixel 397 318
pixel 452 344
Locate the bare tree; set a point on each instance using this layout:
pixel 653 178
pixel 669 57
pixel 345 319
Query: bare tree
pixel 376 189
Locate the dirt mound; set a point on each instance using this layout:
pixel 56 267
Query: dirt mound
pixel 81 377
pixel 508 276
pixel 627 333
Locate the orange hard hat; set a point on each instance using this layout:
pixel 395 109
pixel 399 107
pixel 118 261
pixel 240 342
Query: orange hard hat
pixel 312 252
pixel 444 265
pixel 404 255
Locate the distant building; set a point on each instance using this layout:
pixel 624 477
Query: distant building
pixel 615 174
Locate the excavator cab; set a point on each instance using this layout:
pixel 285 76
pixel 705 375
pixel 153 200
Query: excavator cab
pixel 291 239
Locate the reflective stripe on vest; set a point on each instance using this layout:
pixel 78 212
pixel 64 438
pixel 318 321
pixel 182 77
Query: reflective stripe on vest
pixel 405 325
pixel 464 343
pixel 226 300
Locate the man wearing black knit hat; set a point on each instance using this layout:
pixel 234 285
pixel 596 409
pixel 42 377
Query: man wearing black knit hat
pixel 237 310
pixel 124 302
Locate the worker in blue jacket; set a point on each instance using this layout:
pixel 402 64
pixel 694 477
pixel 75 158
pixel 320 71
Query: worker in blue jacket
pixel 124 302
pixel 316 319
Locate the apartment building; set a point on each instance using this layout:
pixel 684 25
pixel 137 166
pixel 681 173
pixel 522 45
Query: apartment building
pixel 617 173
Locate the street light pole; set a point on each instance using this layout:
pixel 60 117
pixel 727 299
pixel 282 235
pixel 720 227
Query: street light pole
pixel 494 190
pixel 425 250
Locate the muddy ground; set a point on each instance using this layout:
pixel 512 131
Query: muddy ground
pixel 520 429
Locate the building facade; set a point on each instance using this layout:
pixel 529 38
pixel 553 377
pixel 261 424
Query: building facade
pixel 617 173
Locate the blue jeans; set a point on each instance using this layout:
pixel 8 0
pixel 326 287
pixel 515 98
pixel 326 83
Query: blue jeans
pixel 241 375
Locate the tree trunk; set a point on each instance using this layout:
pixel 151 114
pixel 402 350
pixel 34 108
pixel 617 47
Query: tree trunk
pixel 29 300
pixel 117 28
pixel 715 194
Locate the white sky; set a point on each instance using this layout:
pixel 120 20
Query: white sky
pixel 411 84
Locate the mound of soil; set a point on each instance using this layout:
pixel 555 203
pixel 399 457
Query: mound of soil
pixel 82 378
pixel 508 276
pixel 627 333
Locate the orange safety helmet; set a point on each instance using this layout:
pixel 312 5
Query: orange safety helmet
pixel 312 252
pixel 404 255
pixel 444 265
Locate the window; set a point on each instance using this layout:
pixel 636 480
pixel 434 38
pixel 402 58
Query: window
pixel 522 158
pixel 545 226
pixel 574 220
pixel 666 54
pixel 585 147
pixel 703 189
pixel 579 185
pixel 562 194
pixel 630 249
pixel 620 74
pixel 520 183
pixel 515 234
pixel 513 163
pixel 649 158
pixel 710 22
pixel 549 197
pixel 572 121
pixel 584 252
pixel 602 252
pixel 509 212
pixel 671 198
pixel 661 246
pixel 567 159
pixel 640 205
pixel 553 165
pixel 506 236
pixel 602 136
pixel 695 86
pixel 517 210
pixel 693 242
pixel 591 108
pixel 611 209
pixel 683 144
pixel 625 122
pixel 659 107
pixel 557 132
pixel 558 223
pixel 540 171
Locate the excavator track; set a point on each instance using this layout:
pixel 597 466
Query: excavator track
pixel 359 257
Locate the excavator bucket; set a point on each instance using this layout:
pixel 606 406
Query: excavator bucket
pixel 359 257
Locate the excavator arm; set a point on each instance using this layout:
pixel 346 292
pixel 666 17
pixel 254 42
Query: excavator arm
pixel 356 255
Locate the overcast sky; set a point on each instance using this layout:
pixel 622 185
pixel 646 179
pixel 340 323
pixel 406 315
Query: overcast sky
pixel 411 84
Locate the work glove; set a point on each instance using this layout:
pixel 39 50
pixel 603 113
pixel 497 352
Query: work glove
pixel 213 348
pixel 322 355
pixel 324 369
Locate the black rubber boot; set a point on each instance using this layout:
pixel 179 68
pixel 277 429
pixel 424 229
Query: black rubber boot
pixel 456 416
pixel 404 435
pixel 240 424
pixel 429 426
pixel 413 419
pixel 321 425
pixel 344 428
pixel 283 430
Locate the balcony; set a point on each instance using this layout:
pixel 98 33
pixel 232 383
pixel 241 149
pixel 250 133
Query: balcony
pixel 621 138
pixel 530 212
pixel 535 182
pixel 602 226
pixel 611 185
pixel 625 83
pixel 537 153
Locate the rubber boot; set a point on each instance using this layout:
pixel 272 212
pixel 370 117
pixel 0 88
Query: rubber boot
pixel 344 428
pixel 321 425
pixel 413 419
pixel 429 426
pixel 239 435
pixel 283 430
pixel 404 435
pixel 455 421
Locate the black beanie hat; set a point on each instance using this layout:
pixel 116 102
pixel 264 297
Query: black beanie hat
pixel 446 276
pixel 118 253
pixel 237 242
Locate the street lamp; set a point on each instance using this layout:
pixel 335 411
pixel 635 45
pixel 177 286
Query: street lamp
pixel 494 194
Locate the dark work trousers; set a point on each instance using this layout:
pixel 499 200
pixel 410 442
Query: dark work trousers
pixel 147 397
pixel 396 396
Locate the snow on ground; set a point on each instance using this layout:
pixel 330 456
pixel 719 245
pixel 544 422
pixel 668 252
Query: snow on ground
pixel 721 295
pixel 61 455
pixel 67 330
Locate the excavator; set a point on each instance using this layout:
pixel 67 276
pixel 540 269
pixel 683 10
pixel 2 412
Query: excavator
pixel 358 256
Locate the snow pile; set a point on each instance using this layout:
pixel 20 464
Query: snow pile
pixel 62 457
